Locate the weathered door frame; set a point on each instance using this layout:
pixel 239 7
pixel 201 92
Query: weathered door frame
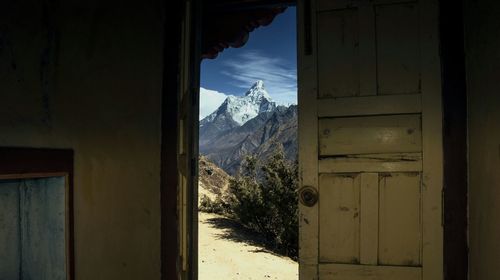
pixel 454 141
pixel 24 163
pixel 179 143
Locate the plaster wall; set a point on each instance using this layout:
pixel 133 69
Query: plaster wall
pixel 483 87
pixel 87 75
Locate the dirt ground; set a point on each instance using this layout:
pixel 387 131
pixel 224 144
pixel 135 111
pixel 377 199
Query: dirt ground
pixel 227 251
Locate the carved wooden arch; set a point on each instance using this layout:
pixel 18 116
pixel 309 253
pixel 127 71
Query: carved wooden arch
pixel 228 23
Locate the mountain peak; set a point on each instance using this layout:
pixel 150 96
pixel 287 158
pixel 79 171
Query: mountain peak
pixel 258 84
pixel 258 90
pixel 240 109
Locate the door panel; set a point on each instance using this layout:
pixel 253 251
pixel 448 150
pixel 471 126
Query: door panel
pixel 370 218
pixel 370 135
pixel 338 72
pixel 400 229
pixel 339 218
pixel 398 68
pixel 370 140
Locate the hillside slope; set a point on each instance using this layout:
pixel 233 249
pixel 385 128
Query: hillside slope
pixel 212 180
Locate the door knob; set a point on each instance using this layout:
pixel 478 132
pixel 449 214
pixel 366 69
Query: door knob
pixel 308 196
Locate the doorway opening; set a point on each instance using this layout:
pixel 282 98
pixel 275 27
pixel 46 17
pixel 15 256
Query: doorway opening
pixel 247 168
pixel 331 109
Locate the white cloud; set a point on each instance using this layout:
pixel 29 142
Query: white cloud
pixel 279 76
pixel 210 100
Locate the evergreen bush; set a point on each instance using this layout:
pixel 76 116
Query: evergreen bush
pixel 263 197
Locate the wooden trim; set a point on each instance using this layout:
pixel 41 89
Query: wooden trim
pixel 454 141
pixel 370 105
pixel 194 83
pixel 408 162
pixel 308 139
pixel 432 174
pixel 369 272
pixel 20 163
pixel 32 175
pixel 334 165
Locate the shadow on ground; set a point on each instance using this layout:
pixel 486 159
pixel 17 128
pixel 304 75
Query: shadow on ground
pixel 234 231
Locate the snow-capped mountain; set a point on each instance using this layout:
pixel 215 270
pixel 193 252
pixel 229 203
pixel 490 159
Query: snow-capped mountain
pixel 236 111
pixel 251 124
pixel 245 108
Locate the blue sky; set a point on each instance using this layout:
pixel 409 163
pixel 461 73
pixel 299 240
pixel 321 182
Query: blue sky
pixel 269 55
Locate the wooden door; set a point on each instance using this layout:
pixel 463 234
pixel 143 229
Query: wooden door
pixel 187 146
pixel 370 140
